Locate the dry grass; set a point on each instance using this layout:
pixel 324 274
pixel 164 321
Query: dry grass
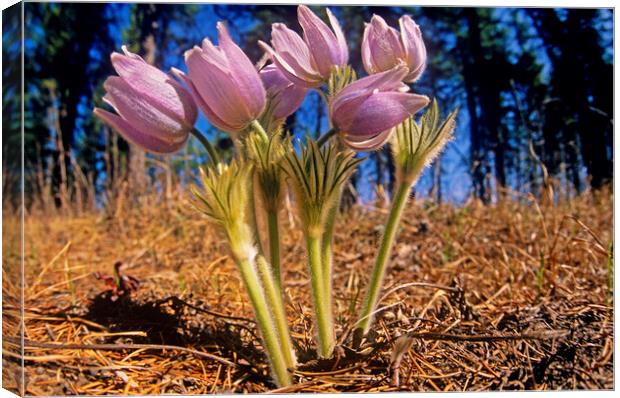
pixel 482 316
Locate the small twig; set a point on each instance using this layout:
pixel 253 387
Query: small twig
pixel 118 347
pixel 331 373
pixel 551 334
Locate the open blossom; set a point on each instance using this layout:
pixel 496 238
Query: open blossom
pixel 365 111
pixel 383 47
pixel 308 61
pixel 154 111
pixel 224 82
pixel 285 97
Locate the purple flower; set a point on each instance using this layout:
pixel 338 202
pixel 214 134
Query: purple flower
pixel 383 47
pixel 365 111
pixel 224 82
pixel 308 61
pixel 154 111
pixel 284 96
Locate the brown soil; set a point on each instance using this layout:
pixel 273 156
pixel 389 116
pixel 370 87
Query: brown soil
pixel 481 315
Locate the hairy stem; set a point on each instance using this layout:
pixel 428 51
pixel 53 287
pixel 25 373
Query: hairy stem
pixel 274 296
pixel 274 246
pixel 265 322
pixel 214 158
pixel 260 130
pixel 253 209
pixel 322 307
pixel 327 251
pixel 378 271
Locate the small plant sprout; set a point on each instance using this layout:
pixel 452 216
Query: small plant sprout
pixel 225 199
pixel 414 146
pixel 317 176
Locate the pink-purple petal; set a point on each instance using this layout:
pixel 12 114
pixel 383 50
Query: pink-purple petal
pixel 342 42
pixel 370 144
pixel 161 91
pixel 137 137
pixel 386 50
pixel 384 81
pixel 243 72
pixel 218 90
pixel 414 47
pixel 320 39
pixel 288 70
pixel 138 110
pixel 285 96
pixel 378 112
pixel 293 50
pixel 211 116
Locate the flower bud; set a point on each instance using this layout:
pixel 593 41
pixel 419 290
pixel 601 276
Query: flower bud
pixel 308 61
pixel 153 110
pixel 365 111
pixel 224 82
pixel 383 47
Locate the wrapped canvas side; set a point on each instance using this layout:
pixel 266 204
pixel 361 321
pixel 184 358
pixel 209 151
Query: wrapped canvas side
pixel 12 199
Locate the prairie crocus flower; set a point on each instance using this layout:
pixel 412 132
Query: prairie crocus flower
pixel 284 96
pixel 383 47
pixel 153 110
pixel 224 82
pixel 308 62
pixel 365 111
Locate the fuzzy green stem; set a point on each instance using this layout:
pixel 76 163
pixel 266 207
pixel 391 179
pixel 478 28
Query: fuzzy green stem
pixel 391 227
pixel 253 212
pixel 275 353
pixel 327 251
pixel 326 137
pixel 274 246
pixel 322 307
pixel 260 130
pixel 274 296
pixel 214 158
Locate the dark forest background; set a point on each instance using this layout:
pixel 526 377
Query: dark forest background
pixel 534 87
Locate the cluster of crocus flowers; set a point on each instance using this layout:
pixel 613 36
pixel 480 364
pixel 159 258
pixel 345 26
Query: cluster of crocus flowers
pixel 251 104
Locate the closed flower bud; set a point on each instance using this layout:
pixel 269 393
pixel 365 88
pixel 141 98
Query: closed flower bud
pixel 383 47
pixel 365 111
pixel 153 110
pixel 284 96
pixel 224 82
pixel 308 61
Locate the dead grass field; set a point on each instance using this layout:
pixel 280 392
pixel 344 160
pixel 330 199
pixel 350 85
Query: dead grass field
pixel 504 297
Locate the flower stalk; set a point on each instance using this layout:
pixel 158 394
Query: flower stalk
pixel 374 286
pixel 274 296
pixel 225 199
pixel 317 176
pixel 414 146
pixel 273 228
pixel 266 154
pixel 276 353
pixel 322 297
pixel 214 158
